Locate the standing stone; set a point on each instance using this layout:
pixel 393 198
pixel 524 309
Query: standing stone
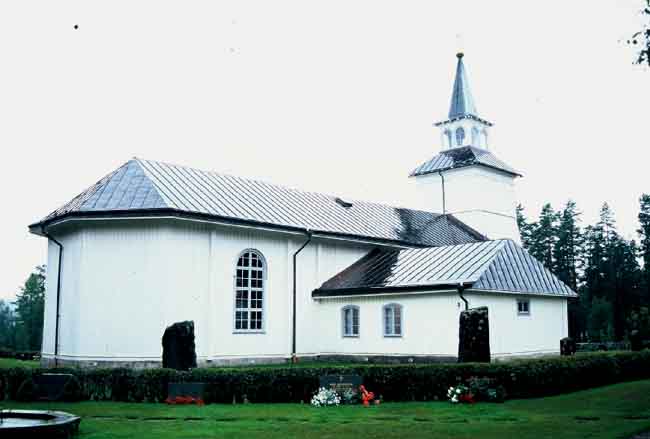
pixel 178 346
pixel 567 346
pixel 474 336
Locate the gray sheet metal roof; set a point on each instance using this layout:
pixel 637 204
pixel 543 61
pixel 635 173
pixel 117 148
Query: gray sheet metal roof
pixel 460 158
pixel 462 102
pixel 499 265
pixel 154 188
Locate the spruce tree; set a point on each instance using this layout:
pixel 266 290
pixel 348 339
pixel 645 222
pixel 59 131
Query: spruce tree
pixel 543 236
pixel 525 228
pixel 29 310
pixel 567 251
pixel 644 245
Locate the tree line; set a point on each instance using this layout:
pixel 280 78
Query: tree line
pixel 610 273
pixel 21 322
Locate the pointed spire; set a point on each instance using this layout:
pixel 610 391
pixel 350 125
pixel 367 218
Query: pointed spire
pixel 462 103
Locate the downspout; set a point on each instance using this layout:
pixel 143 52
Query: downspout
pixel 462 288
pixel 444 204
pixel 293 331
pixel 58 296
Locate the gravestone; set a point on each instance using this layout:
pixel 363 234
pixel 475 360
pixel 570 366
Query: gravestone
pixel 193 390
pixel 474 336
pixel 178 346
pixel 51 385
pixel 341 383
pixel 567 346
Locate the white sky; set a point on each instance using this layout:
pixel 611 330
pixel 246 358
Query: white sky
pixel 335 96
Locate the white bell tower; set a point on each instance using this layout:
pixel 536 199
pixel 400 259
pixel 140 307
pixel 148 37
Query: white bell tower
pixel 466 179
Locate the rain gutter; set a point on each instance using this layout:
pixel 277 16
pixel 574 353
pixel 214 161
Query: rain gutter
pixel 58 296
pixel 293 327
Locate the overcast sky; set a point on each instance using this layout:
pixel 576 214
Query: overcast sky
pixel 331 96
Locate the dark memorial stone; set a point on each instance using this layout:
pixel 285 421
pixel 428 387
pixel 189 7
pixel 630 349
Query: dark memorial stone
pixel 567 346
pixel 51 385
pixel 474 336
pixel 341 383
pixel 636 342
pixel 178 346
pixel 194 390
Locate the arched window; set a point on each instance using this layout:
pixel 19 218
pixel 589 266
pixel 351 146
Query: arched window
pixel 250 278
pixel 350 321
pixel 460 136
pixel 392 320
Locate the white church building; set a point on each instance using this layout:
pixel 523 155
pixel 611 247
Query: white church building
pixel 269 273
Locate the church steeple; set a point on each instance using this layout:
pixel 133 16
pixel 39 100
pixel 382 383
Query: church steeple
pixel 464 126
pixel 462 102
pixel 466 179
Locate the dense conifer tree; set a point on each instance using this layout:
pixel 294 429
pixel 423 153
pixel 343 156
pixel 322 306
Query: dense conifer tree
pixel 544 236
pixel 644 245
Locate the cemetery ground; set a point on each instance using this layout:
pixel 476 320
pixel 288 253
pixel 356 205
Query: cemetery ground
pixel 616 411
pixel 6 363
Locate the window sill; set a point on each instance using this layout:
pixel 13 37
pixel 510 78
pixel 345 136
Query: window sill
pixel 523 314
pixel 350 336
pixel 249 331
pixel 392 336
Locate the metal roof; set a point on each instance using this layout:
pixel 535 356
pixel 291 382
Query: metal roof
pixel 153 188
pixel 462 102
pixel 499 265
pixel 462 157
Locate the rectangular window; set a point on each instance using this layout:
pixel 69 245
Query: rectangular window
pixel 393 320
pixel 350 319
pixel 523 307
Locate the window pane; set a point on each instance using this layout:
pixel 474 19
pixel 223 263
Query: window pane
pixel 398 320
pixel 249 302
pixel 386 321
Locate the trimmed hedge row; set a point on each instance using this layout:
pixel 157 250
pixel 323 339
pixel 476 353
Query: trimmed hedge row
pixel 519 378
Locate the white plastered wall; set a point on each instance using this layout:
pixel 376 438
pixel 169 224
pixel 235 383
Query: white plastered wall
pixel 124 281
pixel 430 325
pixel 483 198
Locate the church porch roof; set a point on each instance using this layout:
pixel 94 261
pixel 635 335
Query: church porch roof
pixel 489 266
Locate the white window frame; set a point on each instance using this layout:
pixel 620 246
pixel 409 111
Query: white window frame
pixel 523 313
pixel 352 309
pixel 394 307
pixel 249 289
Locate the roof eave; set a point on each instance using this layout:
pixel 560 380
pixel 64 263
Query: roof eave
pixel 448 168
pixel 573 294
pixel 384 289
pixel 38 227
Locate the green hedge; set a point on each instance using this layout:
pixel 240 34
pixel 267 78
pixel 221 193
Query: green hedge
pixel 520 378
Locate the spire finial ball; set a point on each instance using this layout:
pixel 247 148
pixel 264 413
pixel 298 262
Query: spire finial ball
pixel 460 55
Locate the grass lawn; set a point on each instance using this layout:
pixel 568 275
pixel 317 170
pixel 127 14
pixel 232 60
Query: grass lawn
pixel 616 411
pixel 6 363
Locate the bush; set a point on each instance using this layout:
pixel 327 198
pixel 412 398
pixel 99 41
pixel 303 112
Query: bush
pixel 72 390
pixel 405 382
pixel 27 391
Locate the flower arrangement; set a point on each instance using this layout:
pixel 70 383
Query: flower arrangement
pixel 325 397
pixel 366 396
pixel 460 394
pixel 185 400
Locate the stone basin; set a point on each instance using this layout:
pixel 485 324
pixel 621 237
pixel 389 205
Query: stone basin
pixel 37 423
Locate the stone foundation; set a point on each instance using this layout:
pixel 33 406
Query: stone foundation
pixel 48 362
